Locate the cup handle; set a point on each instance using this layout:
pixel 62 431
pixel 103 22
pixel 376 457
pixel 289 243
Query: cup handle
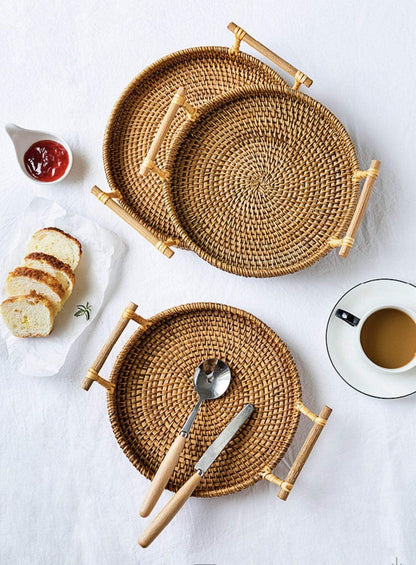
pixel 347 317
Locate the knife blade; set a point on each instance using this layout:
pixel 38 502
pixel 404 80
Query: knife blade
pixel 223 439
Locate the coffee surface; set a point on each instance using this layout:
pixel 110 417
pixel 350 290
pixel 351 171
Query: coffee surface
pixel 388 338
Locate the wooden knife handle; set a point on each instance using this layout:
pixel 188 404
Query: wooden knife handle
pixel 169 511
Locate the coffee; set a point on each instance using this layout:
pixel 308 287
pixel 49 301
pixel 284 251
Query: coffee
pixel 388 338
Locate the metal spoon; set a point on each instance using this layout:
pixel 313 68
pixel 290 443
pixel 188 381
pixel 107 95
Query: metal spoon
pixel 211 380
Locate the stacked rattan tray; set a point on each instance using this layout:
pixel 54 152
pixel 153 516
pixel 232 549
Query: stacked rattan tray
pixel 207 72
pixel 150 391
pixel 255 177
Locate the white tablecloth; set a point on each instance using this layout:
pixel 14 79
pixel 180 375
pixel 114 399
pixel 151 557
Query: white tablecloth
pixel 68 494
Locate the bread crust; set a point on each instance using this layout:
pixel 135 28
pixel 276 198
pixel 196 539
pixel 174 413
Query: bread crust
pixel 54 262
pixel 63 233
pixel 39 276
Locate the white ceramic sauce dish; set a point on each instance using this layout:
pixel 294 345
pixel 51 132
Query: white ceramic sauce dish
pixel 23 139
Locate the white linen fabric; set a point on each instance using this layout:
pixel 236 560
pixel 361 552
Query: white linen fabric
pixel 68 495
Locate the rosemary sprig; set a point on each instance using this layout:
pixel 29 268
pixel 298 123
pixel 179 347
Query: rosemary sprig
pixel 83 311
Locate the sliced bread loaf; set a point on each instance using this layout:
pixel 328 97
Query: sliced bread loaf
pixel 52 266
pixel 56 242
pixel 23 281
pixel 28 316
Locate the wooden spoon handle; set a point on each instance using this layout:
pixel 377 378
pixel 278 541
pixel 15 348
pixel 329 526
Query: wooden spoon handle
pixel 169 511
pixel 163 474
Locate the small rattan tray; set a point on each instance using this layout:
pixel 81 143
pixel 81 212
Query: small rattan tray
pixel 150 395
pixel 206 72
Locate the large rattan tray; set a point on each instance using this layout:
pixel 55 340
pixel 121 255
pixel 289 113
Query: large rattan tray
pixel 207 72
pixel 150 394
pixel 259 181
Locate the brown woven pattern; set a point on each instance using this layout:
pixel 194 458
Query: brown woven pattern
pixel 261 181
pixel 205 72
pixel 154 395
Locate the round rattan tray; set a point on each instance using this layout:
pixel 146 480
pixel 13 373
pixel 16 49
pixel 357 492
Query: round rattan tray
pixel 207 72
pixel 150 394
pixel 261 181
pixel 284 190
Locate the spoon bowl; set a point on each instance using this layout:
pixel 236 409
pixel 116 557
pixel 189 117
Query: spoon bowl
pixel 211 379
pixel 23 138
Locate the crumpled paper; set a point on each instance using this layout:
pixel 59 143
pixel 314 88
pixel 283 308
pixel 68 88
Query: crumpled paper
pixel 44 356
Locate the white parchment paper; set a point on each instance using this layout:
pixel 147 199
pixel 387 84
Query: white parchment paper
pixel 100 249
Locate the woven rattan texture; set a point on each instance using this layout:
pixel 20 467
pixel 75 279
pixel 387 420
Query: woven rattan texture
pixel 154 395
pixel 261 181
pixel 205 72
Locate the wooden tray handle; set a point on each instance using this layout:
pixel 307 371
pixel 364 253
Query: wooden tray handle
pixel 370 176
pixel 286 485
pixel 178 101
pixel 107 199
pixel 242 35
pixel 129 313
pixel 169 511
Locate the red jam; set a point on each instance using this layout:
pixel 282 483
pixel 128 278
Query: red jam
pixel 46 160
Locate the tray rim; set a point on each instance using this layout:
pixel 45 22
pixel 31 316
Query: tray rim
pixel 142 76
pixel 212 105
pixel 183 309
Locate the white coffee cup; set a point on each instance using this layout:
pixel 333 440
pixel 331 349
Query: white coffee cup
pixel 357 325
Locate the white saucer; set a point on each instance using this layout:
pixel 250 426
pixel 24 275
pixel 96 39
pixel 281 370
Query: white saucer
pixel 341 342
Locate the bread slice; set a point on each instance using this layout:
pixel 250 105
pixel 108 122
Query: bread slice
pixel 28 316
pixel 56 242
pixel 23 281
pixel 53 266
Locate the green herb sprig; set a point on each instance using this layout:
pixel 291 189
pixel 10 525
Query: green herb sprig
pixel 83 311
